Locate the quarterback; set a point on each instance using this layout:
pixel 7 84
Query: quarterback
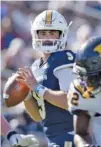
pixel 84 95
pixel 47 78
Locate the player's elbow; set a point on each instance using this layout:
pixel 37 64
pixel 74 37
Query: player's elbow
pixel 37 120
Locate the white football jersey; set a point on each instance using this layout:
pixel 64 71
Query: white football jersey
pixel 83 98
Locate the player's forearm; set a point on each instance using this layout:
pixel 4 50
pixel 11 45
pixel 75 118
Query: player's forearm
pixel 32 109
pixel 57 98
pixel 81 127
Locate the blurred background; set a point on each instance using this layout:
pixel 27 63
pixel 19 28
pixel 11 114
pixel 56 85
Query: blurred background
pixel 16 47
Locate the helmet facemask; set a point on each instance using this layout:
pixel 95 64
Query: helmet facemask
pixel 91 73
pixel 94 80
pixel 49 45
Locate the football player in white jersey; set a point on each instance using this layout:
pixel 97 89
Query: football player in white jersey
pixel 47 77
pixel 84 95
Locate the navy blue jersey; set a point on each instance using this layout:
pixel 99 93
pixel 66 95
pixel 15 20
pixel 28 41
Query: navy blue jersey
pixel 57 120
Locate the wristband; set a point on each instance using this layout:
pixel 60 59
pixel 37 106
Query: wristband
pixel 9 134
pixel 40 90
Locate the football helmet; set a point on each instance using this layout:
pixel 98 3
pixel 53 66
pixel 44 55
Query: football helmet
pixel 88 62
pixel 50 20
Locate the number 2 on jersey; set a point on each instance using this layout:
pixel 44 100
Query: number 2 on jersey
pixel 75 99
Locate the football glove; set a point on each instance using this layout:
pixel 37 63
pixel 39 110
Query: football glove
pixel 21 140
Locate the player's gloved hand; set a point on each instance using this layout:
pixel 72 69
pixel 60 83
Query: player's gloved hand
pixel 16 140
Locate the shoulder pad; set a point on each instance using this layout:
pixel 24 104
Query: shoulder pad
pixel 63 58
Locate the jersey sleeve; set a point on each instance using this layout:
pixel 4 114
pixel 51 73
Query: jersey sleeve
pixel 65 76
pixel 63 71
pixel 63 60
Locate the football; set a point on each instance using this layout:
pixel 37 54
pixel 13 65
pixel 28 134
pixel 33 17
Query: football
pixel 14 91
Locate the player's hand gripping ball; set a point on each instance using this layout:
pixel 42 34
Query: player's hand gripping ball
pixel 15 91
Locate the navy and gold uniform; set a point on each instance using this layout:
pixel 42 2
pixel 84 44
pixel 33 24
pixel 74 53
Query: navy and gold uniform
pixel 85 91
pixel 58 122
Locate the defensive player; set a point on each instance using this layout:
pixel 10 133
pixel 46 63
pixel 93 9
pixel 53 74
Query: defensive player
pixel 85 94
pixel 47 78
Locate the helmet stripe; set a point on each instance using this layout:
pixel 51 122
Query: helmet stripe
pixel 48 17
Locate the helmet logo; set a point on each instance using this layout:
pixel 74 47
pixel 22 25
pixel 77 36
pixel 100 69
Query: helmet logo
pixel 98 49
pixel 49 18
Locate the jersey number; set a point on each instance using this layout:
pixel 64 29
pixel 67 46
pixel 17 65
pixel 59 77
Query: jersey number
pixel 75 99
pixel 70 56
